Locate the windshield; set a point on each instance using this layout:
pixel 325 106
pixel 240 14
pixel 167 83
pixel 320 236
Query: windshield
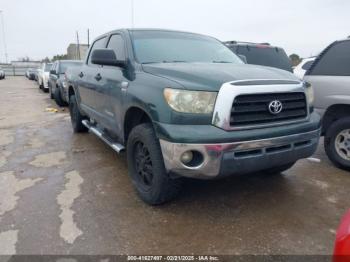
pixel 47 67
pixel 266 56
pixel 166 47
pixel 65 65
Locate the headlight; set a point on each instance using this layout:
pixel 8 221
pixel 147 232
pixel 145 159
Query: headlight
pixel 309 93
pixel 198 102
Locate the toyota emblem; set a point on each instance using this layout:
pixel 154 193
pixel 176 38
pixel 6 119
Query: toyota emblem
pixel 275 107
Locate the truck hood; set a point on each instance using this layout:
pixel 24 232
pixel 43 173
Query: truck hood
pixel 211 76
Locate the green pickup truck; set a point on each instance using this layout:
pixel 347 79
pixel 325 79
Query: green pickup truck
pixel 184 105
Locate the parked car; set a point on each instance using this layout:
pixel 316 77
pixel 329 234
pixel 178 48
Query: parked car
pixel 36 74
pixel 184 105
pixel 30 73
pixel 261 54
pixel 342 240
pixel 330 77
pixel 2 74
pixel 57 81
pixel 43 76
pixel 303 66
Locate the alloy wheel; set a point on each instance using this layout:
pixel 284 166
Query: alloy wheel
pixel 342 144
pixel 143 164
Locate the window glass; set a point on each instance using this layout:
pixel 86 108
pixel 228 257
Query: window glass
pixel 307 65
pixel 98 44
pixel 116 43
pixel 65 65
pixel 166 46
pixel 266 56
pixel 53 67
pixel 336 61
pixel 47 67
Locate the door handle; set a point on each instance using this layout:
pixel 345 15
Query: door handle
pixel 98 77
pixel 81 74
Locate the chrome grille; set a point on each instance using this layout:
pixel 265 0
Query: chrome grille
pixel 254 109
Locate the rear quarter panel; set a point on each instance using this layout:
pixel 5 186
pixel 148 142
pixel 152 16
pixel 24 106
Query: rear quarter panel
pixel 72 81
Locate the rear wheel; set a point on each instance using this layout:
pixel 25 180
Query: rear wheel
pixel 278 169
pixel 76 116
pixel 337 143
pixel 146 167
pixel 58 98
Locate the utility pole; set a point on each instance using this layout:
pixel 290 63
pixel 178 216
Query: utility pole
pixel 3 34
pixel 88 36
pixel 132 13
pixel 78 46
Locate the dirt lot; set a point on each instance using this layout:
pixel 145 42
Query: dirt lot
pixel 63 193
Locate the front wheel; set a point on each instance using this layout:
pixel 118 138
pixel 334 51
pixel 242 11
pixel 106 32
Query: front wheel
pixel 75 116
pixel 337 143
pixel 58 98
pixel 146 167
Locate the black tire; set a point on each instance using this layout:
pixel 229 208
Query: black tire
pixel 51 94
pixel 75 116
pixel 58 98
pixel 278 169
pixel 330 143
pixel 152 183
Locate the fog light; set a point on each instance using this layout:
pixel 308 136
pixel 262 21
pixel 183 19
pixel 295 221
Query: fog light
pixel 187 157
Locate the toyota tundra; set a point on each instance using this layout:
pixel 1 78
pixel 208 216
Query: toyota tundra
pixel 183 105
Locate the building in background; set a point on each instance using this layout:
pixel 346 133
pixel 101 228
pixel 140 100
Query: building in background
pixel 75 53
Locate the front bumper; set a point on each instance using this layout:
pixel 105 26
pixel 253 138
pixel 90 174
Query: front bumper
pixel 242 157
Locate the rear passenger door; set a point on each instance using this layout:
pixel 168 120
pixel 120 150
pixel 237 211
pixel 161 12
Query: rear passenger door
pixel 330 76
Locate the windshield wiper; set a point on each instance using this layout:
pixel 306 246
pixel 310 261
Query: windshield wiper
pixel 222 62
pixel 175 61
pixel 165 61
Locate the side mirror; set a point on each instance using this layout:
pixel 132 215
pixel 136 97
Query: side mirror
pixel 105 57
pixel 52 72
pixel 243 58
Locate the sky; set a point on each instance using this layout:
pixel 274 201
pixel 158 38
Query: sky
pixel 44 28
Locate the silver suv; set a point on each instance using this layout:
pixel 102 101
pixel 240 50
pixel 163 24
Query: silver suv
pixel 330 77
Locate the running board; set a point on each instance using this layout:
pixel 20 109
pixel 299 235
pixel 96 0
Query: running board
pixel 115 146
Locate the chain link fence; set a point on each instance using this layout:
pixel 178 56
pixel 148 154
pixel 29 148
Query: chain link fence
pixel 18 68
pixel 15 70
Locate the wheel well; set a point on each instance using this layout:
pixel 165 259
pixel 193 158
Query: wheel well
pixel 334 113
pixel 133 117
